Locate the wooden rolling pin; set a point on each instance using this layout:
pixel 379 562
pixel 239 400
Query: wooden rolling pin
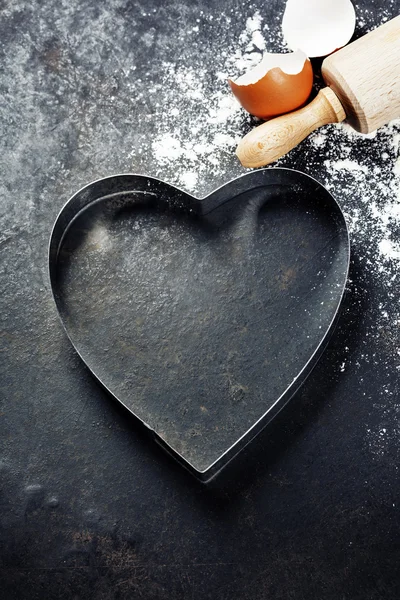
pixel 363 82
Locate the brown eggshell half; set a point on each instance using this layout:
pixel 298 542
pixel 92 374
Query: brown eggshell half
pixel 276 92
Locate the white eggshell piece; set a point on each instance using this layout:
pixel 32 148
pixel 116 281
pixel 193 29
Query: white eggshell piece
pixel 318 27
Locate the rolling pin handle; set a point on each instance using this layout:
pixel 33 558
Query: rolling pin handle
pixel 275 138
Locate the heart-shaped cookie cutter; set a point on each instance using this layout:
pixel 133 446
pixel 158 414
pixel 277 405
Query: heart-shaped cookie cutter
pixel 289 226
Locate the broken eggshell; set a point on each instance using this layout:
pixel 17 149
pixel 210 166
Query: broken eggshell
pixel 279 84
pixel 318 27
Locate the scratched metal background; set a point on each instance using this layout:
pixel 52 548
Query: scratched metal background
pixel 89 507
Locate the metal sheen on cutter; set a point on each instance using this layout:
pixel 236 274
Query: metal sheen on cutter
pixel 202 316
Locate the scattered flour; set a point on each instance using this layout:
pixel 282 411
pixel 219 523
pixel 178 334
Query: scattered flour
pixel 197 136
pixel 197 126
pixel 199 131
pixel 348 165
pixel 389 249
pixel 377 226
pixel 189 179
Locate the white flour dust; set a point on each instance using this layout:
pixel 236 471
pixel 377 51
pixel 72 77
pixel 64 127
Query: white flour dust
pixel 198 124
pixel 198 132
pixel 364 170
pixel 374 224
pixel 198 129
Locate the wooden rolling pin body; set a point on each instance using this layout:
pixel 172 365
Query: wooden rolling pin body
pixel 364 87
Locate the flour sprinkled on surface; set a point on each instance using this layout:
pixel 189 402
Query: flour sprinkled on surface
pixel 198 124
pixel 197 135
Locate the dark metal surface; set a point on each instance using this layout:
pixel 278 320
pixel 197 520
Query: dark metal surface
pixel 90 507
pixel 202 317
